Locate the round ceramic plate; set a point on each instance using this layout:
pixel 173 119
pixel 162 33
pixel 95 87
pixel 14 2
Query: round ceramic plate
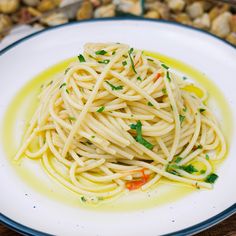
pixel 32 212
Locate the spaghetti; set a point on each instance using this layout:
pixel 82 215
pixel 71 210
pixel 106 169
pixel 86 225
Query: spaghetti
pixel 118 120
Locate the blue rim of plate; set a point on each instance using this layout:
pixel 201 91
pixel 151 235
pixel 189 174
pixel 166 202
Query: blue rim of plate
pixel 188 231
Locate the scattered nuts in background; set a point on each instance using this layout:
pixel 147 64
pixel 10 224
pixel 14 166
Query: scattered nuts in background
pixel 217 18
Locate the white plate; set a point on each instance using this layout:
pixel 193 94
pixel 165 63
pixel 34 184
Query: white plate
pixel 26 58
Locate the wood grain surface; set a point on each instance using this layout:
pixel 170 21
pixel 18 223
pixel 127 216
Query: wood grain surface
pixel 225 228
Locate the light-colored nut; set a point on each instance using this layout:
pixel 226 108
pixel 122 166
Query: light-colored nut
pixel 33 11
pixel 221 25
pixel 129 6
pixel 31 3
pixel 216 11
pixel 183 18
pixel 233 23
pixel 47 5
pixel 232 38
pixel 5 23
pixel 152 14
pixel 176 5
pixel 202 22
pixel 195 10
pixel 162 9
pixel 105 11
pixel 85 11
pixel 106 2
pixel 9 6
pixel 55 19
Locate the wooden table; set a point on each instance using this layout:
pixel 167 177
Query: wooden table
pixel 225 228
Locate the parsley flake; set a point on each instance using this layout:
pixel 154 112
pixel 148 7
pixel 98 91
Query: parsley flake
pixel 104 62
pixel 101 109
pixel 181 119
pixel 113 87
pixel 62 85
pixel 165 66
pixel 150 104
pixel 178 159
pixel 81 58
pixel 139 138
pixel 211 178
pixel 131 59
pixel 139 78
pixel 100 52
pixel 201 110
pixel 124 63
pixel 168 76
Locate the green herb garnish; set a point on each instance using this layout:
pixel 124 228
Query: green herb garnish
pixel 81 58
pixel 92 136
pixel 113 87
pixel 164 90
pixel 201 110
pixel 168 76
pixel 131 59
pixel 101 109
pixel 67 91
pixel 83 199
pixel 139 138
pixel 62 85
pixel 211 178
pixel 165 66
pixel 113 53
pixel 104 62
pixel 202 171
pixel 72 118
pixel 124 63
pixel 149 59
pixel 67 69
pixel 189 168
pixel 178 159
pixel 139 78
pixel 185 109
pixel 207 157
pixel 199 146
pixel 184 78
pixel 181 119
pixel 100 52
pixel 150 104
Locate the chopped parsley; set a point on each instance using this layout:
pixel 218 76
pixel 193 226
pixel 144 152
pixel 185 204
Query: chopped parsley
pixel 113 53
pixel 67 91
pixel 168 76
pixel 184 109
pixel 189 168
pixel 207 157
pixel 100 52
pixel 139 138
pixel 211 178
pixel 131 59
pixel 150 104
pixel 181 119
pixel 72 118
pixel 81 58
pixel 62 85
pixel 101 109
pixel 124 63
pixel 93 136
pixel 139 78
pixel 184 78
pixel 113 87
pixel 201 110
pixel 165 66
pixel 202 171
pixel 149 59
pixel 104 62
pixel 178 159
pixel 83 199
pixel 67 69
pixel 164 90
pixel 199 146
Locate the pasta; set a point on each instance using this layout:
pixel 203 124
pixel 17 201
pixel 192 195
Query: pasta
pixel 119 120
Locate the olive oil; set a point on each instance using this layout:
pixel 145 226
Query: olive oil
pixel 24 104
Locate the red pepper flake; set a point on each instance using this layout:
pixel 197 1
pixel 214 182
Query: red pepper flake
pixel 157 76
pixel 136 184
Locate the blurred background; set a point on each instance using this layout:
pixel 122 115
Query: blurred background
pixel 217 17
